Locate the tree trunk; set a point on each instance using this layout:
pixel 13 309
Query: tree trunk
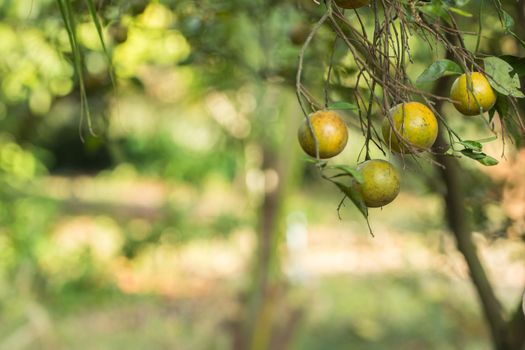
pixel 505 335
pixel 458 224
pixel 267 322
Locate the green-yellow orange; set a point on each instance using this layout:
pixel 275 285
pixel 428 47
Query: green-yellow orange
pixel 474 96
pixel 331 133
pixel 414 123
pixel 380 182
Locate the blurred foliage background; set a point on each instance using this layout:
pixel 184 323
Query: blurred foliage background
pixel 147 234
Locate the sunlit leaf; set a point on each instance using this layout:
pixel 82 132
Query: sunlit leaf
pixel 460 12
pixel 472 145
pixel 480 157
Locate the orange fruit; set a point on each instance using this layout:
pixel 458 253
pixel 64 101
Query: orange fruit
pixel 415 123
pixel 380 182
pixel 352 4
pixel 331 133
pixel 472 97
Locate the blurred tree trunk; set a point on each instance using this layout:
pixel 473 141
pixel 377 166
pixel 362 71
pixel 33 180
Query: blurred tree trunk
pixel 457 221
pixel 506 335
pixel 266 321
pixel 269 282
pixel 268 274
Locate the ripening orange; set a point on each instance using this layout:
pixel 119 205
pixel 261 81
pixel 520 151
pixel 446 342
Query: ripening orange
pixel 475 99
pixel 331 133
pixel 415 123
pixel 380 182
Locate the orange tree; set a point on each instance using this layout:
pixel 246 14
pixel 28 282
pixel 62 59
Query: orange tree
pixel 383 87
pixel 378 36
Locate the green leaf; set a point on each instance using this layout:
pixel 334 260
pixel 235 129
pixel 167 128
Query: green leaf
pixel 342 106
pixel 480 157
pixel 436 9
pixel 500 78
pixel 502 107
pixel 355 196
pixel 438 69
pixel 472 145
pixel 517 63
pixel 460 12
pixel 349 171
pixel 321 163
pixel 507 21
pixel 473 154
pixel 506 117
pixel 488 161
pixel 492 111
pixel 487 139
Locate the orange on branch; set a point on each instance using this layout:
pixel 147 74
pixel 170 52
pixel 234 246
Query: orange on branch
pixel 472 96
pixel 331 133
pixel 414 123
pixel 380 182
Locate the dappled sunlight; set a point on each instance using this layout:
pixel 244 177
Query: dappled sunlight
pixel 100 235
pixel 225 113
pixel 148 46
pixel 148 193
pixel 188 271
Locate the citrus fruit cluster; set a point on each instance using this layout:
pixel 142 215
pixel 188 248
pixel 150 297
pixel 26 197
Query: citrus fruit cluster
pixel 410 127
pixel 380 184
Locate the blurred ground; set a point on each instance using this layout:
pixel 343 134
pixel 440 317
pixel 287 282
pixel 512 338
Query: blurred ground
pixel 402 289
